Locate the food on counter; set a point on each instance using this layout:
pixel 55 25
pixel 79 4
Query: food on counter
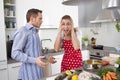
pixel 111 59
pixel 69 74
pixel 107 74
pixel 104 63
pixel 88 76
pixel 104 71
pixel 110 76
pixel 92 64
pixel 61 76
pixel 118 61
pixel 75 77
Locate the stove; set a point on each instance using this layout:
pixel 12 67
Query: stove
pixel 98 54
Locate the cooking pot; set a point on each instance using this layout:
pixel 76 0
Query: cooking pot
pixel 92 64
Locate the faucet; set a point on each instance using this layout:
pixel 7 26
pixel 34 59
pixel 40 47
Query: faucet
pixel 45 40
pixel 44 50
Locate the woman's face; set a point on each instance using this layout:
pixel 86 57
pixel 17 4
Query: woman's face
pixel 66 26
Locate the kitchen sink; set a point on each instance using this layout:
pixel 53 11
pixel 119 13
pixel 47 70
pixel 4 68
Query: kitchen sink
pixel 46 51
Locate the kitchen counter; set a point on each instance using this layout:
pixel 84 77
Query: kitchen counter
pixel 10 60
pixel 106 49
pixel 52 77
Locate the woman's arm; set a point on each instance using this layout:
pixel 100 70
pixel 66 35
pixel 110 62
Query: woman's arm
pixel 75 41
pixel 57 44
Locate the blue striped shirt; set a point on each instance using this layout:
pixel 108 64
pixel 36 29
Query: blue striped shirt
pixel 26 48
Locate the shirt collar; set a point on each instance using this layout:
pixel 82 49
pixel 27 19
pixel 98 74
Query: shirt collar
pixel 31 27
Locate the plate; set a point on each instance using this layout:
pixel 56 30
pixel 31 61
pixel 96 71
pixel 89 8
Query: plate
pixel 87 76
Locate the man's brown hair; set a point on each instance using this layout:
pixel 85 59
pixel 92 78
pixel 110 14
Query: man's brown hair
pixel 32 12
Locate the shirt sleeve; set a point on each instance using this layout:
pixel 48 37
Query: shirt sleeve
pixel 20 39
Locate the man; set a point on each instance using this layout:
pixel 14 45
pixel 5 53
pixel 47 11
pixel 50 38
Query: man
pixel 26 48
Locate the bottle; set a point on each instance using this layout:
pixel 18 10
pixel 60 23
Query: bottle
pixel 93 41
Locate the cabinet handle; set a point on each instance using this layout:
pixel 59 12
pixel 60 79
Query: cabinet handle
pixel 3 69
pixel 15 66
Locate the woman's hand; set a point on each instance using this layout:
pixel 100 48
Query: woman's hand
pixel 60 28
pixel 51 59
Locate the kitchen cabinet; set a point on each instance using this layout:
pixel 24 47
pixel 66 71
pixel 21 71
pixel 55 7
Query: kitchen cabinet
pixel 53 10
pixel 56 68
pixel 3 58
pixel 10 17
pixel 13 70
pixel 3 72
pixel 9 13
pixel 85 54
pixel 1 14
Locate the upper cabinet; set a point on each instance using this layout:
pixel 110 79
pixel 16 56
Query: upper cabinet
pixel 9 13
pixel 53 10
pixel 10 18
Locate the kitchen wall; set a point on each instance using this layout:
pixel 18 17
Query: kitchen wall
pixel 105 33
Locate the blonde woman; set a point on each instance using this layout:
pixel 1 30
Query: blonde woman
pixel 67 39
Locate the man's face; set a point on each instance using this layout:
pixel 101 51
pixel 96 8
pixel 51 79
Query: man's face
pixel 38 20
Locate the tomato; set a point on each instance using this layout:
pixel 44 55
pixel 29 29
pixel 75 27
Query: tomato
pixel 104 63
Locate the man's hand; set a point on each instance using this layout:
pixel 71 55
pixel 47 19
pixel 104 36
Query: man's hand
pixel 51 59
pixel 39 61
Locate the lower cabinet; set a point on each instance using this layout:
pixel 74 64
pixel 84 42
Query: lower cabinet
pixel 13 70
pixel 3 72
pixel 56 68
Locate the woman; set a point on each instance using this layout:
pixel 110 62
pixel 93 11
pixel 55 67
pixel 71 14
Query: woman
pixel 67 39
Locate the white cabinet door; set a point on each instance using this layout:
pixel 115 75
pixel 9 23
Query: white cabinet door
pixel 85 54
pixel 13 70
pixel 1 14
pixel 3 58
pixel 56 68
pixel 3 72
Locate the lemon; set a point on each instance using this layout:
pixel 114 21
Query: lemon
pixel 75 77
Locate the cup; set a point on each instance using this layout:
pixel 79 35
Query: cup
pixel 11 13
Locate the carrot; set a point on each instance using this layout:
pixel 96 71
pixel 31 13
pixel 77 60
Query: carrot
pixel 114 78
pixel 112 73
pixel 103 77
pixel 108 76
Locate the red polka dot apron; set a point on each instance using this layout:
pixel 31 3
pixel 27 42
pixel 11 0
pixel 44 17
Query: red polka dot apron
pixel 72 58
